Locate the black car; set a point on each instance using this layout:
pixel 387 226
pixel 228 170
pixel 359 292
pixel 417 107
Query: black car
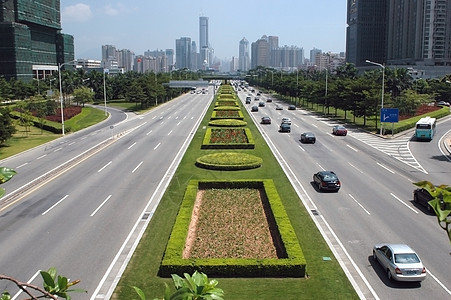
pixel 254 108
pixel 269 100
pixel 284 127
pixel 291 107
pixel 266 120
pixel 326 180
pixel 261 104
pixel 308 137
pixel 422 197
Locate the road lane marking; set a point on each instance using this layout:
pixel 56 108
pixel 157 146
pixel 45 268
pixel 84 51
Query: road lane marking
pixel 56 150
pixel 22 165
pixel 393 172
pixel 136 168
pixel 42 156
pixel 149 132
pixel 70 144
pixel 100 206
pixel 170 132
pixel 394 196
pixel 155 148
pixel 355 167
pixel 301 148
pixel 101 169
pixel 178 123
pixel 352 148
pixel 54 205
pixel 359 204
pixel 29 282
pixel 131 146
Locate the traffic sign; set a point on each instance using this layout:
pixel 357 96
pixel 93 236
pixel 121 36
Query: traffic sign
pixel 389 115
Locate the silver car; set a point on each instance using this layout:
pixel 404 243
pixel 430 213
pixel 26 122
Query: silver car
pixel 400 262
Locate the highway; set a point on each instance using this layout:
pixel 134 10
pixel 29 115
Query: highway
pixel 375 203
pixel 96 188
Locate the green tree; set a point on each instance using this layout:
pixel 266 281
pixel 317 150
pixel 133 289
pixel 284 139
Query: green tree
pixel 196 287
pixel 7 128
pixel 83 95
pixel 441 204
pixel 135 94
pixel 409 101
pixel 5 175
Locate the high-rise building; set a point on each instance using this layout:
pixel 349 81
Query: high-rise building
pixel 31 42
pixel 366 31
pixel 260 53
pixel 400 32
pixel 183 53
pixel 244 60
pixel 204 46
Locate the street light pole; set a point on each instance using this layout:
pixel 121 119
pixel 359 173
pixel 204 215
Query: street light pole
pixel 104 89
pixel 383 79
pixel 61 93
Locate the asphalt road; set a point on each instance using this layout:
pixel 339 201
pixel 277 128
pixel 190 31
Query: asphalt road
pixel 83 212
pixel 375 203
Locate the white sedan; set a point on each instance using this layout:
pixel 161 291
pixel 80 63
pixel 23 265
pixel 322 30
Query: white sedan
pixel 400 262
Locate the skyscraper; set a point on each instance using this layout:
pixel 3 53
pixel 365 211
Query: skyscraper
pixel 244 62
pixel 260 53
pixel 204 46
pixel 183 53
pixel 32 44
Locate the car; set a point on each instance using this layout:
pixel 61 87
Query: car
pixel 269 100
pixel 278 107
pixel 261 104
pixel 327 180
pixel 292 107
pixel 286 121
pixel 443 103
pixel 400 262
pixel 248 101
pixel 256 98
pixel 339 130
pixel 284 127
pixel 308 137
pixel 266 120
pixel 422 197
pixel 254 108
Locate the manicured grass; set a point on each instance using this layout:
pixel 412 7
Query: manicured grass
pixel 23 140
pixel 326 279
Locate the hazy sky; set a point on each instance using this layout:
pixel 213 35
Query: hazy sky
pixel 141 25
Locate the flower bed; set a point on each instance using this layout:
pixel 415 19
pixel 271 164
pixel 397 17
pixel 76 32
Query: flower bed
pixel 233 228
pixel 228 138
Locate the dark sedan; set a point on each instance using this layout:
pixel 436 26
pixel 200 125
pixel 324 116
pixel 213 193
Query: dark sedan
pixel 308 137
pixel 254 108
pixel 266 120
pixel 284 127
pixel 327 180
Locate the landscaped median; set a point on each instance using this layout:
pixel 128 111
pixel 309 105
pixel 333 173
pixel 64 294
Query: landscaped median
pixel 252 235
pixel 247 227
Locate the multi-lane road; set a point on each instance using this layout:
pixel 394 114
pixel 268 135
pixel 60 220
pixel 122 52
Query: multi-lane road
pixel 91 192
pixel 80 202
pixel 375 203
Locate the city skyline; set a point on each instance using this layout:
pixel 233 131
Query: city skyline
pixel 140 26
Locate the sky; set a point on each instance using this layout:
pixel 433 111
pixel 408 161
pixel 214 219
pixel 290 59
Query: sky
pixel 141 25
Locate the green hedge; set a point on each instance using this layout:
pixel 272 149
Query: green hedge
pixel 290 264
pixel 249 145
pixel 228 107
pixel 229 161
pixel 228 123
pixel 214 115
pixel 411 123
pixel 47 125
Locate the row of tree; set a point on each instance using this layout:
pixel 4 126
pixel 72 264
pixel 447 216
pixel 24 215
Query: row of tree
pixel 347 89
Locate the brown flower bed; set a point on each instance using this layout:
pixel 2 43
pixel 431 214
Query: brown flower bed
pixel 69 112
pixel 229 223
pixel 228 135
pixel 423 109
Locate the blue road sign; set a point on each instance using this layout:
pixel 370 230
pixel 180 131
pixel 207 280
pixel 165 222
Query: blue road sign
pixel 389 115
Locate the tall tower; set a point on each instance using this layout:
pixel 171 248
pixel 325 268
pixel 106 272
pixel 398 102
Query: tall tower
pixel 183 53
pixel 244 61
pixel 203 40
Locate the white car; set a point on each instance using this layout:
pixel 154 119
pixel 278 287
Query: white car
pixel 400 262
pixel 286 121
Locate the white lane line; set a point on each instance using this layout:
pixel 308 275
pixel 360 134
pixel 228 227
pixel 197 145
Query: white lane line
pixel 439 282
pixel 394 196
pixel 352 148
pixel 29 281
pixel 170 132
pixel 100 206
pixel 157 146
pixel 131 146
pixel 149 132
pixel 101 169
pixel 56 150
pixel 54 205
pixel 178 123
pixel 355 167
pixel 136 168
pixel 41 157
pixel 301 148
pixel 70 144
pixel 359 204
pixel 380 165
pixel 22 165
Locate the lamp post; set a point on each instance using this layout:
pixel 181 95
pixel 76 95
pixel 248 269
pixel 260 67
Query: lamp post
pixel 383 79
pixel 61 93
pixel 104 89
